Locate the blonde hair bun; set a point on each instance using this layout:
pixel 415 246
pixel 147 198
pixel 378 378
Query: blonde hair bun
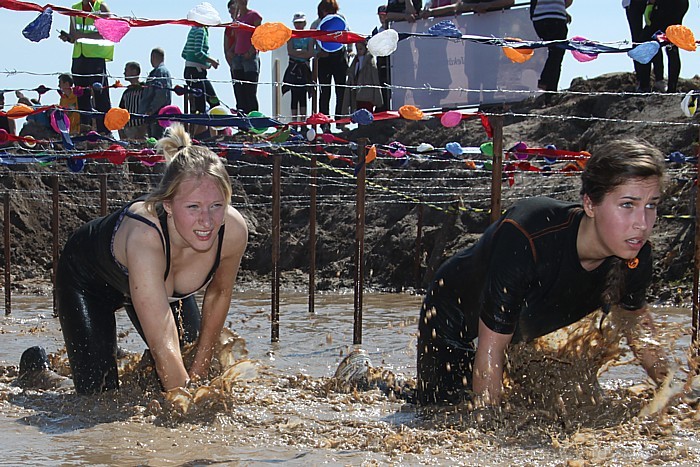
pixel 175 140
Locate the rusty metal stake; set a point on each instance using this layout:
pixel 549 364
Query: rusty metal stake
pixel 103 195
pixel 276 191
pixel 312 234
pixel 359 239
pixel 8 250
pixel 696 270
pixel 419 245
pixel 54 240
pixel 497 167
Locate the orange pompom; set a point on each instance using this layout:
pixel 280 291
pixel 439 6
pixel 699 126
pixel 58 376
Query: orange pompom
pixel 116 118
pixel 19 111
pixel 681 36
pixel 270 36
pixel 411 112
pixel 371 154
pixel 518 55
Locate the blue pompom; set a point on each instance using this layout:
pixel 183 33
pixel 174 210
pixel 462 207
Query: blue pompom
pixel 454 148
pixel 644 52
pixel 40 28
pixel 445 28
pixel 362 117
pixel 75 164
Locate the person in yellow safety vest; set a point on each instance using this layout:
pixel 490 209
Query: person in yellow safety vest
pixel 91 52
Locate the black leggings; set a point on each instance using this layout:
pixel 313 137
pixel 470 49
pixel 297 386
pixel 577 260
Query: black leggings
pixel 86 312
pixel 549 30
pixel 246 92
pixel 334 66
pixel 197 79
pixel 86 72
pixel 445 359
pixel 665 14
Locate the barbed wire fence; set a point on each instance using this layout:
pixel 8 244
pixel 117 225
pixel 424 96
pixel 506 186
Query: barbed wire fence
pixel 62 199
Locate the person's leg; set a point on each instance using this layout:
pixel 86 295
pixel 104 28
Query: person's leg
pixel 444 365
pixel 674 68
pixel 102 101
pixel 340 70
pixel 79 72
pixel 238 75
pixel 669 13
pixel 549 30
pixel 251 72
pixel 635 19
pixel 325 71
pixel 89 330
pixel 195 80
pixel 209 92
pixel 188 319
pixel 297 95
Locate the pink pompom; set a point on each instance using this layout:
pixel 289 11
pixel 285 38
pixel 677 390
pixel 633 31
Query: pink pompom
pixel 168 110
pixel 112 29
pixel 451 119
pixel 580 56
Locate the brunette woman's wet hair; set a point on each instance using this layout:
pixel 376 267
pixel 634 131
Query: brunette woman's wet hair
pixel 185 161
pixel 617 162
pixel 612 165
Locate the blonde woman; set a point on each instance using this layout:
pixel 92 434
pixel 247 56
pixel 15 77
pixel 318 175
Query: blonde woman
pixel 151 257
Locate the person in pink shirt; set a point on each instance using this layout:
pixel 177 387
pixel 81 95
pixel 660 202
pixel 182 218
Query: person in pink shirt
pixel 242 56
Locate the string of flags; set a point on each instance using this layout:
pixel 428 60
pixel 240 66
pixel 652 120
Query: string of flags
pixel 272 35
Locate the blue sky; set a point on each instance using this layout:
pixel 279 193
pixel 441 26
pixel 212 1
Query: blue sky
pixel 601 20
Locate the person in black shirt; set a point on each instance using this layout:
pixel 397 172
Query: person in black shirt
pixel 543 265
pixel 151 257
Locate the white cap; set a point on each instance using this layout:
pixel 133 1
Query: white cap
pixel 299 17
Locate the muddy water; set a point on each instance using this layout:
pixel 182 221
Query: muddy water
pixel 288 414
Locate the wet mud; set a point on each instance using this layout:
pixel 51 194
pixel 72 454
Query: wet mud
pixel 573 398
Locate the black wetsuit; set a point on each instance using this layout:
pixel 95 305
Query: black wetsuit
pixel 524 277
pixel 91 285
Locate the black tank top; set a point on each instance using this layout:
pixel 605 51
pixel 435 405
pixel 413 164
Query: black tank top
pixel 91 250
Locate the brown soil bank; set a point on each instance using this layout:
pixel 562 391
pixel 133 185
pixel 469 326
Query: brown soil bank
pixel 454 200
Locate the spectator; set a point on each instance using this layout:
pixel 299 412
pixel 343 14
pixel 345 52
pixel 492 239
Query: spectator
pixel 331 65
pixel 197 62
pixel 131 101
pixel 242 57
pixel 6 123
pixel 401 10
pixel 37 125
pixel 158 91
pixel 664 14
pixel 550 20
pixel 298 73
pixel 634 10
pixel 363 82
pixel 91 52
pixel 69 101
pixel 383 65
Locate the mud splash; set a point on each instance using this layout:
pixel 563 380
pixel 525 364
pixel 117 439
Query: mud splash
pixel 562 408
